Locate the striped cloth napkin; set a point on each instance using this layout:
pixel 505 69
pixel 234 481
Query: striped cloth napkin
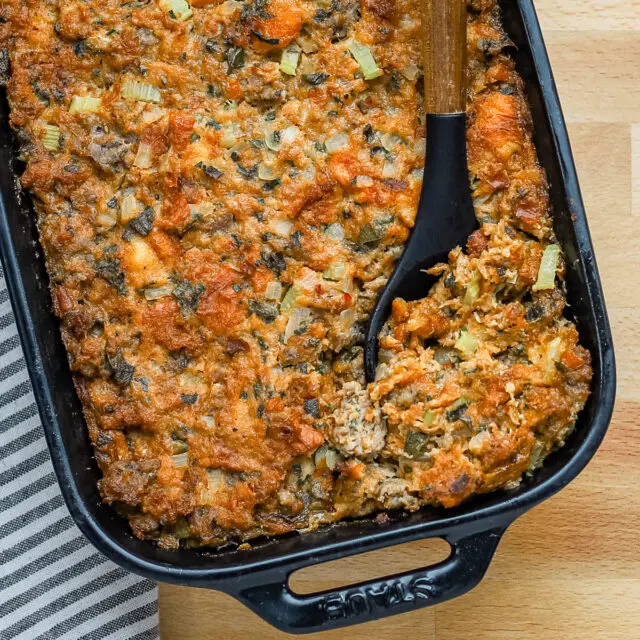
pixel 53 583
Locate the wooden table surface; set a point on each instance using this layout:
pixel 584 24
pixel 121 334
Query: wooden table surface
pixel 570 568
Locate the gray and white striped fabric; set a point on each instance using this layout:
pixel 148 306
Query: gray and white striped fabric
pixel 53 583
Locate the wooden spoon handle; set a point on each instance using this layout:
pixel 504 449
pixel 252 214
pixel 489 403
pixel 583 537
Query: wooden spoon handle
pixel 444 46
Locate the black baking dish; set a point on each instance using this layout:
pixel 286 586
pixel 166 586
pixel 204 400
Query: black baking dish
pixel 258 577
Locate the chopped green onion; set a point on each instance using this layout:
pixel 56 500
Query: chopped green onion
pixel 334 272
pixel 85 104
pixel 289 300
pixel 466 342
pixel 133 90
pixel 290 59
pixel 428 417
pixel 365 59
pixel 473 290
pixel 548 265
pixel 179 9
pixel 51 137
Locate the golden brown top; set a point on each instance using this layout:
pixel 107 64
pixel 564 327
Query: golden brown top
pixel 222 190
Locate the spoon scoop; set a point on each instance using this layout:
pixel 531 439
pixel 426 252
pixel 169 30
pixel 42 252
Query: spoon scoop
pixel 445 216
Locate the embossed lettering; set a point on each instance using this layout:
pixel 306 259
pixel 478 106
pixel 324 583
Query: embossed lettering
pixel 379 595
pixel 422 588
pixel 334 607
pixel 357 603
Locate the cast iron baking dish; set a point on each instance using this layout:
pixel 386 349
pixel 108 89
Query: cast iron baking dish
pixel 258 577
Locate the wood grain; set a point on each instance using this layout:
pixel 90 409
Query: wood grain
pixel 444 60
pixel 569 569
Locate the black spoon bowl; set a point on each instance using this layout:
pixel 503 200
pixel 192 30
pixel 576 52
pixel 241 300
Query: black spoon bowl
pixel 445 216
pixel 445 219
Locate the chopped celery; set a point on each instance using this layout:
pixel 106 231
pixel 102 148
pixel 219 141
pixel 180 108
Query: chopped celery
pixel 334 272
pixel 289 300
pixel 289 60
pixel 51 137
pixel 548 265
pixel 85 104
pixel 428 417
pixel 473 289
pixel 178 9
pixel 466 342
pixel 363 56
pixel 133 90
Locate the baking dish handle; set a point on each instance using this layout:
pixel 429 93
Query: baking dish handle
pixel 273 600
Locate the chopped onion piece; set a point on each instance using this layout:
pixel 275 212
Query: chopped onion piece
pixel 466 343
pixel 307 44
pixel 229 7
pixel 390 140
pixel 209 422
pixel 332 458
pixel 347 319
pixel 274 291
pixel 289 134
pixel 51 137
pixel 364 181
pixel 133 90
pixel 143 157
pixel 177 8
pixel 155 293
pixel 410 71
pixel 229 136
pixel 290 59
pixel 128 208
pixel 365 59
pixel 180 460
pixel 265 172
pixel 298 319
pixel 85 104
pixel 306 468
pixel 335 231
pixel 309 173
pixel 273 140
pixel 106 219
pixel 282 227
pixel 553 354
pixel 335 272
pixel 389 170
pixel 337 142
pixel 548 265
pixel 152 114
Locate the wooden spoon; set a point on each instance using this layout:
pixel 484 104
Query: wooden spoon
pixel 445 217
